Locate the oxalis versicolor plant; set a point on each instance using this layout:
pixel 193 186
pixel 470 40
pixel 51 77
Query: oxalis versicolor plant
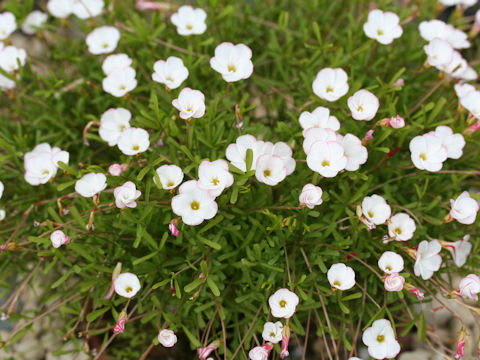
pixel 224 172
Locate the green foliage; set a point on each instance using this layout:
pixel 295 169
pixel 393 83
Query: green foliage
pixel 260 240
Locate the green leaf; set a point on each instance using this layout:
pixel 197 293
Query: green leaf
pixel 96 314
pixel 211 284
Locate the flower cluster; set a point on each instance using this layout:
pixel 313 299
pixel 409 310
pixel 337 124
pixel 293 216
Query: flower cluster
pixel 10 56
pixel 41 164
pixel 120 76
pixel 83 9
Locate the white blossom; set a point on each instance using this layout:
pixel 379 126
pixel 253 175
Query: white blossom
pixel 59 238
pixel 120 81
pixel 33 21
pixel 193 204
pixel 313 135
pixel 341 277
pixel 439 52
pixel 330 84
pixel 214 176
pixel 85 9
pixel 394 282
pixel 310 196
pixel 390 262
pixel 354 151
pixel 464 208
pixel 91 184
pixel 376 209
pixel 103 40
pixel 8 24
pixel 116 62
pixel 453 143
pixel 10 56
pixel 237 153
pixel 427 152
pixel 437 29
pixel 327 158
pixel 233 62
pixel 363 105
pixel 380 340
pixel 270 169
pixel 470 287
pixel 272 332
pixel 113 123
pixel 471 102
pixel 428 259
pixel 283 303
pixel 401 227
pixel 167 338
pixel 171 72
pixel 133 141
pixel 125 195
pixel 319 118
pixel 460 250
pixel 170 176
pixel 383 26
pixel 190 103
pixel 127 285
pixel 41 164
pixel 189 21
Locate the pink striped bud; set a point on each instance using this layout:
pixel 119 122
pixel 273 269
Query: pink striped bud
pixel 460 345
pixel 120 325
pixel 285 340
pixel 415 291
pixel 204 352
pixel 173 228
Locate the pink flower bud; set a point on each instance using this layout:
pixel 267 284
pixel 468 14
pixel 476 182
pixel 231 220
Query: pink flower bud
pixel 394 282
pixel 204 352
pixel 167 338
pixel 173 228
pixel 285 340
pixel 399 82
pixel 120 325
pixel 58 238
pixel 417 292
pixel 116 169
pixel 151 5
pixel 172 288
pixel 397 122
pixel 460 345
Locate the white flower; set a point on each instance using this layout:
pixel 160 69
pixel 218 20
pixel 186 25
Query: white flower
pixel 233 62
pixel 116 169
pixel 91 184
pixel 258 353
pixel 394 282
pixel 85 9
pixel 59 238
pixel 314 134
pixel 126 195
pixel 190 103
pixel 330 84
pixel 401 227
pixel 193 204
pixel 465 3
pixel 437 29
pixel 237 153
pixel 427 152
pixel 272 332
pixel 470 287
pixel 456 68
pixel 310 196
pixel 127 285
pixel 2 214
pixel 113 123
pixel 270 170
pixel 214 176
pixel 463 89
pixel 464 208
pixel 2 187
pixel 380 340
pixel 355 152
pixel 120 81
pixel 8 24
pixel 283 151
pixel 460 250
pixel 170 176
pixel 103 40
pixel 41 164
pixel 171 72
pixel 471 102
pixel 376 209
pixel 428 259
pixel 283 303
pixel 167 338
pixel 115 62
pixel 33 21
pixel 341 277
pixel 6 83
pixel 60 8
pixel 134 141
pixel 453 143
pixel 189 21
pixel 382 26
pixel 390 262
pixel 319 118
pixel 327 158
pixel 363 105
pixel 439 52
pixel 10 56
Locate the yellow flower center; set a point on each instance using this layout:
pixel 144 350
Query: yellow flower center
pixel 389 268
pixel 360 108
pixel 195 205
pixel 267 173
pixel 135 147
pixel 398 230
pixel 105 45
pixel 380 338
pixel 232 68
pixel 215 181
pixel 170 183
pixel 329 89
pixel 282 303
pixel 325 163
pixel 370 214
pixel 423 156
pixel 380 32
pixel 336 283
pixel 189 27
pixel 45 172
pixel 272 334
pixel 128 289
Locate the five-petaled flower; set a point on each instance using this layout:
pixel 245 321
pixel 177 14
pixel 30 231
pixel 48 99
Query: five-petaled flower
pixel 283 303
